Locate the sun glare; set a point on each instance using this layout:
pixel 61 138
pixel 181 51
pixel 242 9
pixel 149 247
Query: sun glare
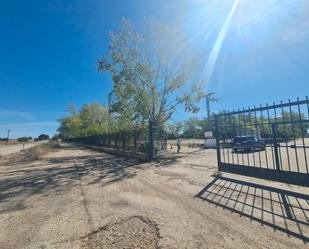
pixel 242 25
pixel 218 43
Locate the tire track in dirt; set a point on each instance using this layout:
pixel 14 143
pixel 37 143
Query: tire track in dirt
pixel 80 173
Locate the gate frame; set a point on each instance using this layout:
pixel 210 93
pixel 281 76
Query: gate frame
pixel 289 177
pixel 154 154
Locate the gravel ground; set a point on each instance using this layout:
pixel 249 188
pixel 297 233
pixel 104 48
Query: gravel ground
pixel 77 198
pixel 133 232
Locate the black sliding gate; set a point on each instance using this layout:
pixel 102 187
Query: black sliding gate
pixel 269 142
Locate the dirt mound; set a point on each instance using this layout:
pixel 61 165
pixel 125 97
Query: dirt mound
pixel 133 232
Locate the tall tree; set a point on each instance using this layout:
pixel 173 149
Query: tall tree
pixel 152 70
pixel 92 119
pixel 70 125
pixel 193 128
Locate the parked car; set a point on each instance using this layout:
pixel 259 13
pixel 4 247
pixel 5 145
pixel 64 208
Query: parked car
pixel 247 144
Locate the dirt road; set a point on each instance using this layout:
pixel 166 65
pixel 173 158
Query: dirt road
pixel 57 201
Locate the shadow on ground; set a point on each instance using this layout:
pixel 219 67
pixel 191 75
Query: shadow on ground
pixel 57 175
pixel 280 209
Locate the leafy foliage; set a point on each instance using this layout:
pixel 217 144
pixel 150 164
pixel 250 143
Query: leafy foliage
pixel 174 130
pixel 152 71
pixel 92 119
pixel 43 137
pixel 289 125
pixel 23 139
pixel 193 128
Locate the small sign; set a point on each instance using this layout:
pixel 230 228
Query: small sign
pixel 208 134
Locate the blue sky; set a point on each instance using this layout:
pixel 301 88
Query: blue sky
pixel 257 53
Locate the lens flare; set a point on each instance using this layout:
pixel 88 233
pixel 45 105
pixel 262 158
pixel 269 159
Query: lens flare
pixel 212 59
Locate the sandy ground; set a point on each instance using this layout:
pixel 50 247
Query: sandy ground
pixel 13 148
pixel 186 142
pixel 58 201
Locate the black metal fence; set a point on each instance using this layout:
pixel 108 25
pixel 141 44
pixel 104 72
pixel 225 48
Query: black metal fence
pixel 158 141
pixel 150 142
pixel 270 142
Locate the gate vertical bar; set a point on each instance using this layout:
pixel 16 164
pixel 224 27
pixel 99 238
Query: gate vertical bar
pixel 150 141
pixel 273 126
pixel 302 133
pixel 218 141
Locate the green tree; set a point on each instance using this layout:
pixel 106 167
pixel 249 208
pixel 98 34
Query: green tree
pixel 92 119
pixel 293 126
pixel 43 137
pixel 288 125
pixel 193 128
pixel 174 130
pixel 152 71
pixel 70 127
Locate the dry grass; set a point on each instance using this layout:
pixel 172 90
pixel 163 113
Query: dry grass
pixel 14 141
pixel 11 142
pixel 28 155
pixel 217 174
pixel 36 152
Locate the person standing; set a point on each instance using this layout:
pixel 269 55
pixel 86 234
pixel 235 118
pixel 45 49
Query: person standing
pixel 178 144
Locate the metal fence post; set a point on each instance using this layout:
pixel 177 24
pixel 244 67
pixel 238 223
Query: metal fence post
pixel 217 141
pixel 274 131
pixel 150 141
pixel 135 140
pixel 123 140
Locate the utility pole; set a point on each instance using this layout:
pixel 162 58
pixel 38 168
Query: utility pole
pixel 8 138
pixel 209 98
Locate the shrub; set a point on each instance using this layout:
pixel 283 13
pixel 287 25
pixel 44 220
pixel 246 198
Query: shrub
pixel 38 151
pixel 23 139
pixel 43 137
